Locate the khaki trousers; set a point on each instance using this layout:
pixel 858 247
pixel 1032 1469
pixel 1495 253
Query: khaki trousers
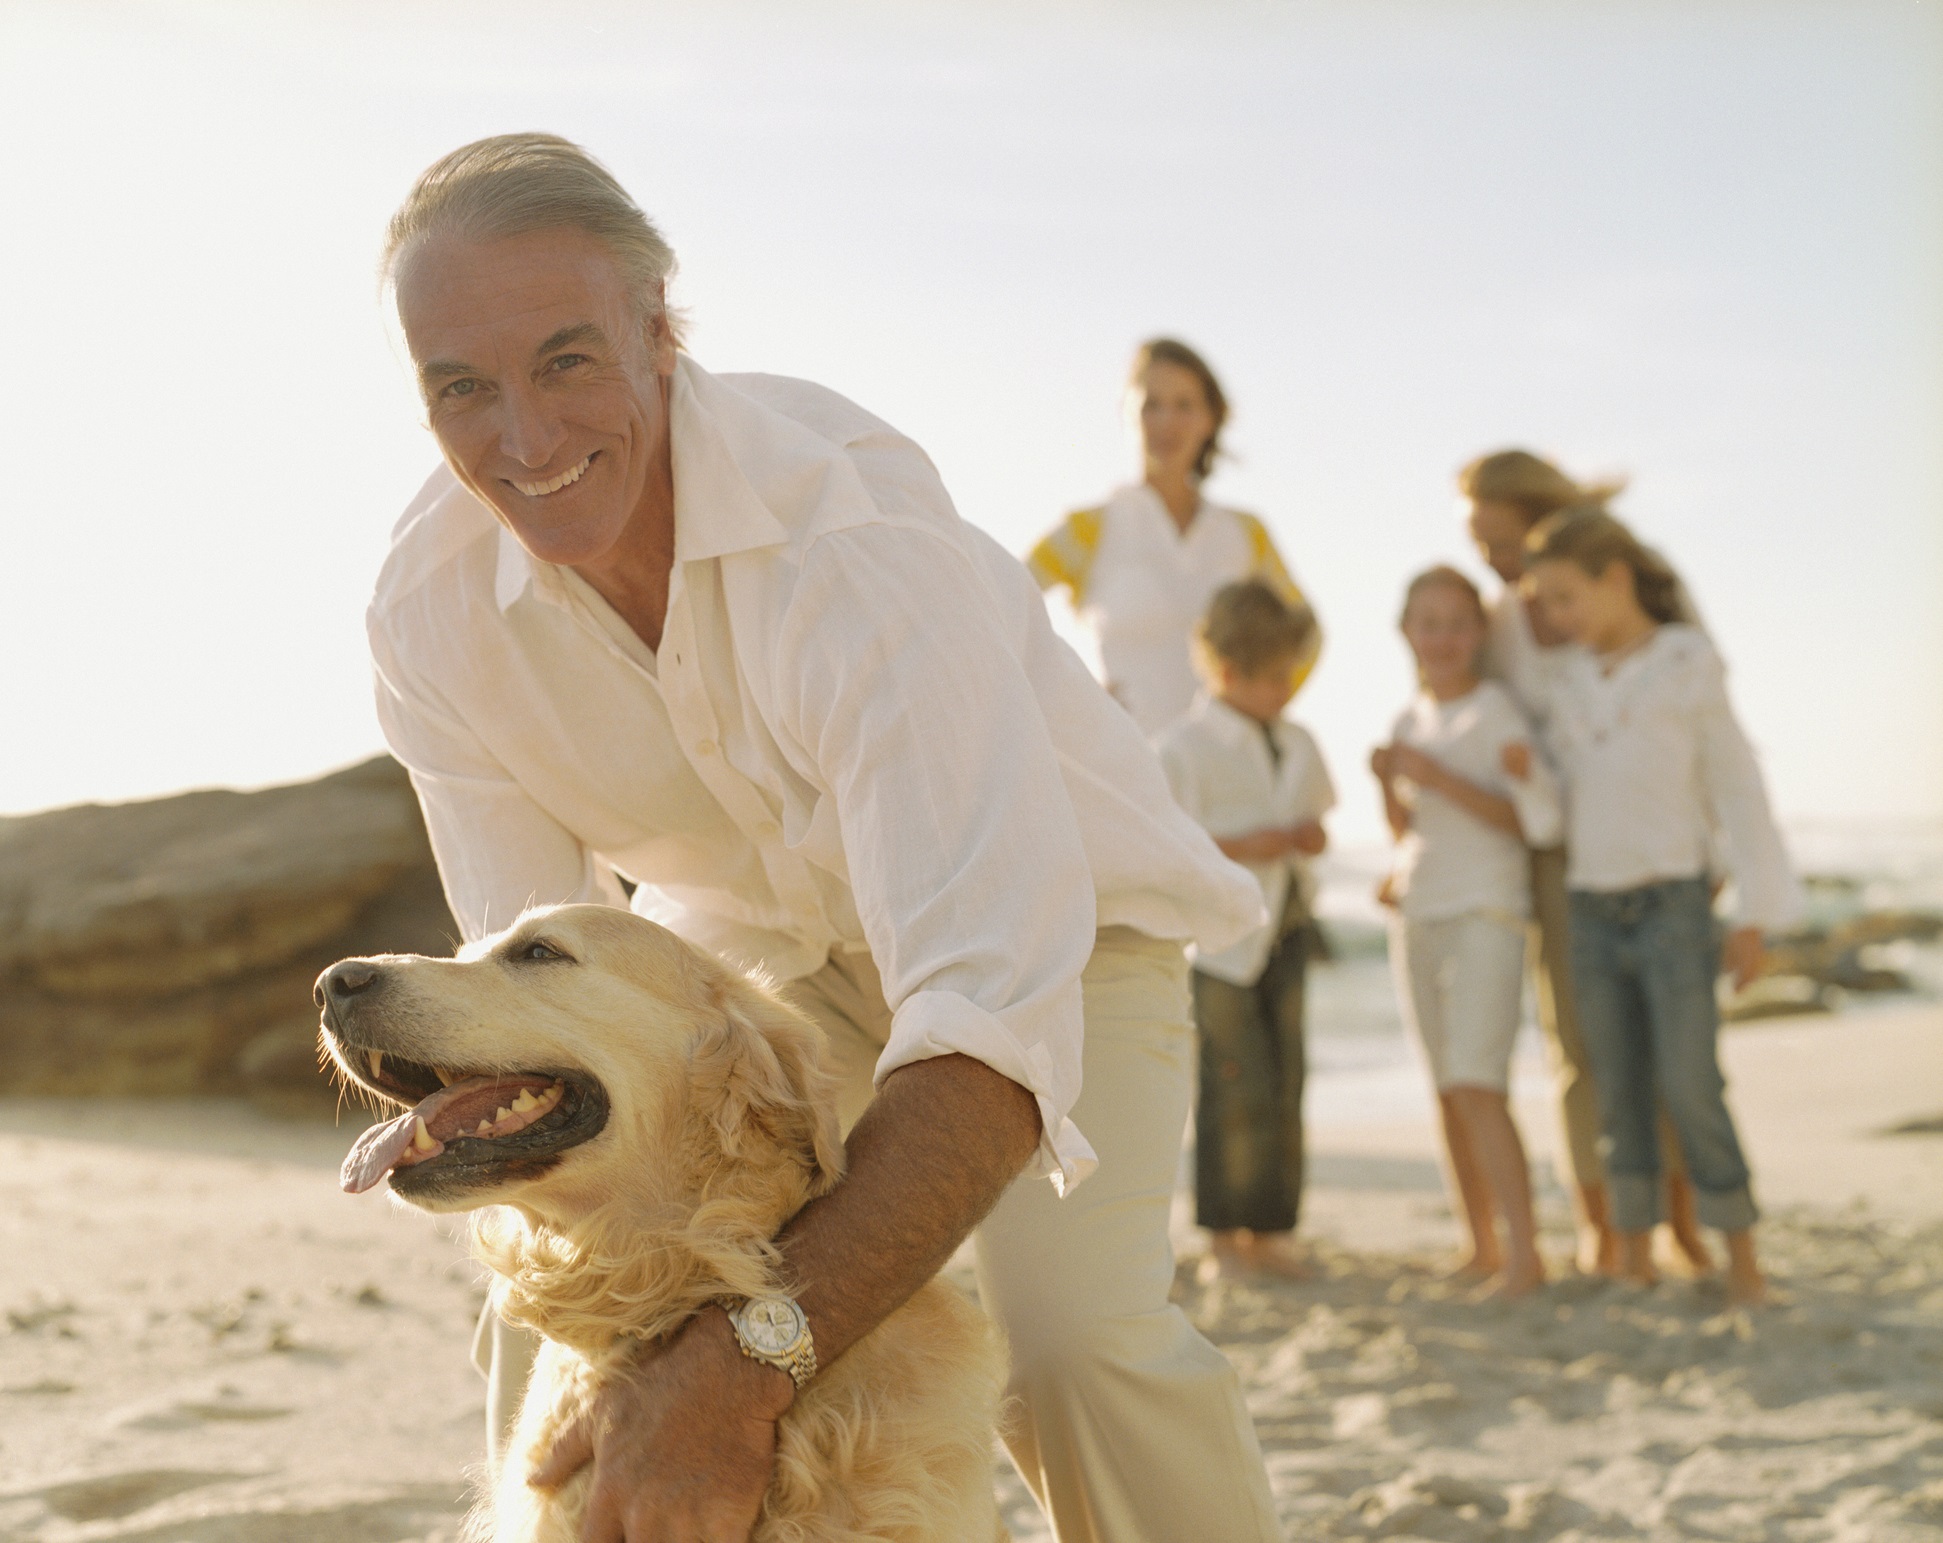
pixel 1126 1424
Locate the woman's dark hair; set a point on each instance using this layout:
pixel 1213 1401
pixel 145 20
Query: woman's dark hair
pixel 1173 351
pixel 1593 540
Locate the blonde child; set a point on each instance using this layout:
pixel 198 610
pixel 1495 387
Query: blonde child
pixel 1660 778
pixel 1257 784
pixel 1464 794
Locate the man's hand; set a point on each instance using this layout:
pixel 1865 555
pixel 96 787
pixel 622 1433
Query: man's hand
pixel 1309 838
pixel 683 1449
pixel 1743 956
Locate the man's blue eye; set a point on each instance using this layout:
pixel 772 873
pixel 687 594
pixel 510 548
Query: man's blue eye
pixel 461 388
pixel 566 360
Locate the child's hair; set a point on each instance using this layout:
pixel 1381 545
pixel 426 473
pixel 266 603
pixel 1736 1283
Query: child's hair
pixel 1594 540
pixel 1248 627
pixel 1530 484
pixel 1443 576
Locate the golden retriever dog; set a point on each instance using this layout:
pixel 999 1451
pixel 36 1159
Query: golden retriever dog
pixel 633 1122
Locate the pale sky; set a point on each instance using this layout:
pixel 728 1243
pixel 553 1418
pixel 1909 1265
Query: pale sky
pixel 1700 244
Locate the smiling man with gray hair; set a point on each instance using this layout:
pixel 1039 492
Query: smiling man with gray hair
pixel 727 638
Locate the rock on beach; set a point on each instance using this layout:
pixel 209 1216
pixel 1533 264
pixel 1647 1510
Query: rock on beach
pixel 168 946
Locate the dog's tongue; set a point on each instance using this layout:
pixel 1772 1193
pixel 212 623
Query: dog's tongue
pixel 377 1152
pixel 450 1112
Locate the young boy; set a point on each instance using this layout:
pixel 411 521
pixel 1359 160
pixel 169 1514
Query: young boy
pixel 1257 784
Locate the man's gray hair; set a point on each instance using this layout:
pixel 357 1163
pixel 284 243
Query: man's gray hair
pixel 514 183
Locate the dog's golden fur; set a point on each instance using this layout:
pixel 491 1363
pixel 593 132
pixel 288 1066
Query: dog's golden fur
pixel 721 1126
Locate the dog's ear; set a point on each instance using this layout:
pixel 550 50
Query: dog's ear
pixel 760 1072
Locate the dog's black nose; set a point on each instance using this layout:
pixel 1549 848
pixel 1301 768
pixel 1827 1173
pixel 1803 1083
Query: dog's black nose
pixel 344 979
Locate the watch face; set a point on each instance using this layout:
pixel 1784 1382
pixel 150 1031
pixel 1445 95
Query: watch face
pixel 772 1325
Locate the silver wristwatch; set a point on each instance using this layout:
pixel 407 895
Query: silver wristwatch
pixel 773 1330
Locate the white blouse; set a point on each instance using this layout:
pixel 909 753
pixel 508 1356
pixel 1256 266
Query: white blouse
pixel 1140 584
pixel 859 731
pixel 1659 777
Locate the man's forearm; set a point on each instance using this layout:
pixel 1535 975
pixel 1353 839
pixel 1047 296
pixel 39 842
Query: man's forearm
pixel 931 1155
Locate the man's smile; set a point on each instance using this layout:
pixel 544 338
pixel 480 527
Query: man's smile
pixel 553 485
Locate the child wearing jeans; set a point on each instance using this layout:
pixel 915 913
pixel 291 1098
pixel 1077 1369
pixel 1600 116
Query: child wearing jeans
pixel 1464 794
pixel 1660 779
pixel 1257 784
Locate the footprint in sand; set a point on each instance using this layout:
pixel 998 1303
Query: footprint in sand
pixel 110 1495
pixel 182 1414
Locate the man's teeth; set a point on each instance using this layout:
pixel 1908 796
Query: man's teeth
pixel 566 479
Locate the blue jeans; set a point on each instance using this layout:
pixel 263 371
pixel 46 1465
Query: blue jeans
pixel 1643 968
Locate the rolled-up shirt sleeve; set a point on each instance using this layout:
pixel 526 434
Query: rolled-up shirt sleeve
pixel 898 684
pixel 498 852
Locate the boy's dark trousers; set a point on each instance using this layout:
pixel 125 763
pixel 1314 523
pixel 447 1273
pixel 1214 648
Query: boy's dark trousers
pixel 1248 1121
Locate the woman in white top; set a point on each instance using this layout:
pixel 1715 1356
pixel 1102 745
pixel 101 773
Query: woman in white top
pixel 1505 494
pixel 1141 568
pixel 1464 794
pixel 1661 779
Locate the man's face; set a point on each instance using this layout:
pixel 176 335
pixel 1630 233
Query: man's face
pixel 544 385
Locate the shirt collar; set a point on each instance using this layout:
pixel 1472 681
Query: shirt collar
pixel 1233 725
pixel 717 508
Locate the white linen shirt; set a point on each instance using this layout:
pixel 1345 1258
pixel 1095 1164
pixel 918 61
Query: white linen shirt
pixel 1218 765
pixel 1450 862
pixel 859 731
pixel 1659 777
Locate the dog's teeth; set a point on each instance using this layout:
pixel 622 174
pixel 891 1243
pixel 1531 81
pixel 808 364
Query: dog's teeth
pixel 422 1138
pixel 525 1101
pixel 484 1128
pixel 501 1113
pixel 377 1060
pixel 444 1076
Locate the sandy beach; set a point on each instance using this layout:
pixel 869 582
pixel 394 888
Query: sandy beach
pixel 205 1342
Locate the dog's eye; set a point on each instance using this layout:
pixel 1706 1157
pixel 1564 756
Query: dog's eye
pixel 539 950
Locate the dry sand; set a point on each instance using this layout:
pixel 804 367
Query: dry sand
pixel 204 1342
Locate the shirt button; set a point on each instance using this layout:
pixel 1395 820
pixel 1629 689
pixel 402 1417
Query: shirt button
pixel 705 748
pixel 769 830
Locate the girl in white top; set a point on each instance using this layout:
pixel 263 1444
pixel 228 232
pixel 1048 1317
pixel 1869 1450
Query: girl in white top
pixel 1464 792
pixel 1505 494
pixel 1661 779
pixel 1141 568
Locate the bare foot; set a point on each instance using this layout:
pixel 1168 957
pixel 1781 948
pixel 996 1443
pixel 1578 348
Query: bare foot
pixel 1598 1251
pixel 1227 1257
pixel 1746 1285
pixel 1276 1254
pixel 1475 1266
pixel 1518 1279
pixel 1636 1260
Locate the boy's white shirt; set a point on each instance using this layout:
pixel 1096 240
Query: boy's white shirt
pixel 1451 862
pixel 1660 778
pixel 1217 763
